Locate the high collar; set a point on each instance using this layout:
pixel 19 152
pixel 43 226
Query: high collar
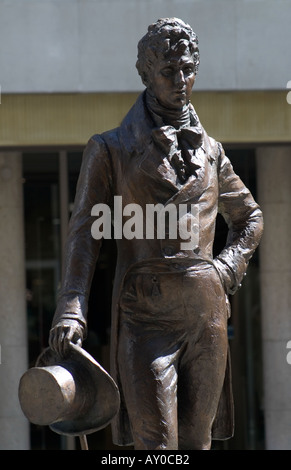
pixel 136 127
pixel 161 115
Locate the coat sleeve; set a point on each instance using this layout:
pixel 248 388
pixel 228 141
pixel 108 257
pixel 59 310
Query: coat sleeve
pixel 82 250
pixel 245 225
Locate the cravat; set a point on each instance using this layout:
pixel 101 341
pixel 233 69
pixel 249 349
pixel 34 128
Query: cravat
pixel 177 145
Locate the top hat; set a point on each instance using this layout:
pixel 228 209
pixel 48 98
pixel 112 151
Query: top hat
pixel 73 395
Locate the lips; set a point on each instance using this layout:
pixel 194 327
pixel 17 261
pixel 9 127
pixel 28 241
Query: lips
pixel 181 95
pixel 180 92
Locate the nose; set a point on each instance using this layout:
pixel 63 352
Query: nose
pixel 179 78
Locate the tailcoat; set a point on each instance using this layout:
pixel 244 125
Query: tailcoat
pixel 128 162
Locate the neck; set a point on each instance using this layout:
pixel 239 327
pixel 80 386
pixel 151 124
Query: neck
pixel 162 115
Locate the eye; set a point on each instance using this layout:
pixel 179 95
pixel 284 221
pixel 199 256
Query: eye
pixel 188 70
pixel 167 72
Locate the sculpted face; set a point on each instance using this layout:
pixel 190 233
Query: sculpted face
pixel 172 79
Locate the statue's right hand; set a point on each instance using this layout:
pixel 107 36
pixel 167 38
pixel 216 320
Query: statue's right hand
pixel 63 334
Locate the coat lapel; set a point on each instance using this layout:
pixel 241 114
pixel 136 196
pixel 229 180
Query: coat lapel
pixel 136 141
pixel 156 165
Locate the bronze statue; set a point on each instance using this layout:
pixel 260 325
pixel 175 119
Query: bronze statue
pixel 169 346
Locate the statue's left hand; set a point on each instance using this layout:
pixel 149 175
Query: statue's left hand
pixel 63 334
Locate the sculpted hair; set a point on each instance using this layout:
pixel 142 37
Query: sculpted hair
pixel 165 36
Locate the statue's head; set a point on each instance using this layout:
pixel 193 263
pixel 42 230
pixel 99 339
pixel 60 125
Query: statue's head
pixel 166 36
pixel 168 59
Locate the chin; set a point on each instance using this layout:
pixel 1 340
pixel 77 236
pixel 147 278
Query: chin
pixel 179 104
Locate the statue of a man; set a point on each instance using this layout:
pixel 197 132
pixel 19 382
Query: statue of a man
pixel 169 346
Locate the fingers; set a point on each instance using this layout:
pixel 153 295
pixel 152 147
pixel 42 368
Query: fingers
pixel 62 336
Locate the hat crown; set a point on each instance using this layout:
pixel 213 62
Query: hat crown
pixel 73 395
pixel 47 394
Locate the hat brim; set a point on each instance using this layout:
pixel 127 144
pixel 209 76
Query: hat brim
pixel 104 399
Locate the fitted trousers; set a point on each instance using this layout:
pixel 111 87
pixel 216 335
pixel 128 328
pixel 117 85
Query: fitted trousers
pixel 172 355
